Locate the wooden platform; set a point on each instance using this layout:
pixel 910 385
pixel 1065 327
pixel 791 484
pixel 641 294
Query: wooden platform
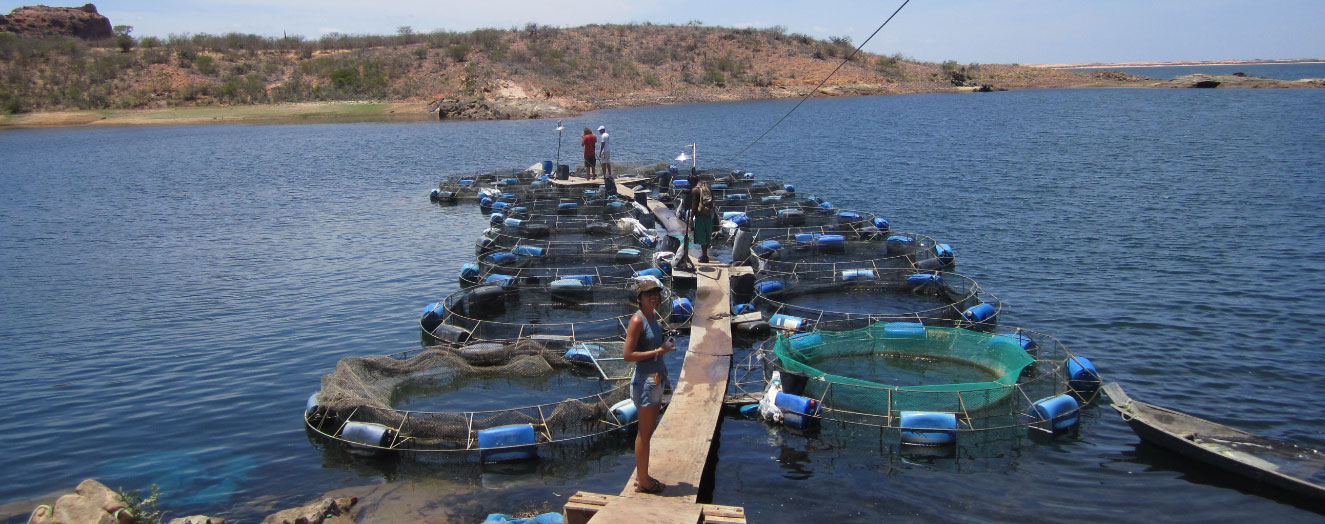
pixel 584 506
pixel 681 444
pixel 578 181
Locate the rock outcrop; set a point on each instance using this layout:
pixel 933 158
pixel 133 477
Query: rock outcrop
pixel 315 513
pixel 41 21
pixel 91 502
pixel 1242 81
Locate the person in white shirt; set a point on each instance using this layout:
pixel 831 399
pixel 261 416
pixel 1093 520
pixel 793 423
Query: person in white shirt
pixel 604 152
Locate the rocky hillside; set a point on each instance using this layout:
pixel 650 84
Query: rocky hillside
pixel 488 73
pixel 43 22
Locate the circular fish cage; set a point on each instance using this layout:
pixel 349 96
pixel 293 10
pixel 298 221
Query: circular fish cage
pixel 533 207
pixel 469 187
pixel 592 268
pixel 564 237
pixel 856 298
pixel 791 221
pixel 567 308
pixel 365 403
pixel 889 372
pixel 834 253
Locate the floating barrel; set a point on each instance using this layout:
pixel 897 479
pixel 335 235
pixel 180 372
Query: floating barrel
pixel 830 243
pixel 527 251
pixel 518 210
pixel 584 353
pixel 510 181
pixel 804 340
pixel 590 193
pixel 741 309
pixel 806 237
pixel 945 254
pixel 719 186
pixel 923 280
pixel 770 199
pixel 848 216
pixel 766 247
pixel 740 219
pixel 508 198
pixel 922 428
pixel 797 411
pixel 979 313
pixel 753 328
pixel 432 316
pixel 507 443
pixel 628 255
pixel 435 195
pixel 498 206
pixel 364 434
pixel 652 272
pixel 485 354
pixel 500 280
pixel 647 241
pixel 568 208
pixel 452 334
pixel 790 188
pixel 1060 411
pixel 1082 376
pixel 904 330
pixel 485 205
pixel 485 301
pixel 496 219
pixel 825 208
pixel 681 183
pixel 500 258
pixel 929 264
pixel 663 261
pixel 466 182
pixel 859 274
pixel 738 196
pixel 768 286
pixel 569 290
pixel 900 245
pixel 788 323
pixel 625 412
pixel 682 310
pixel 882 225
pixel 513 223
pixel 446 197
pixel 791 217
pixel 615 206
pixel 1018 340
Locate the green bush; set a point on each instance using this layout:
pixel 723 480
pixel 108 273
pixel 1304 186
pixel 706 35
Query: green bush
pixel 457 52
pixel 205 64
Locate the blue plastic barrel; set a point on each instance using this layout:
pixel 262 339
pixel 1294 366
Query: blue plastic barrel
pixel 803 340
pixel 500 258
pixel 507 443
pixel 615 206
pixel 652 272
pixel 979 313
pixel 496 219
pixel 583 353
pixel 466 181
pixel 922 280
pixel 513 223
pixel 790 188
pixel 859 274
pixel 805 237
pixel 797 411
pixel 738 196
pixel 485 205
pixel 741 309
pixel 1082 376
pixel 527 251
pixel 768 286
pixel 831 243
pixel 432 316
pixel 681 183
pixel 1060 411
pixel 766 246
pixel 518 209
pixel 682 310
pixel 588 280
pixel 364 434
pixel 547 167
pixel 647 242
pixel 848 216
pixel 945 254
pixel 625 412
pixel 500 280
pixel 510 181
pixel 628 255
pixel 740 219
pixel 498 206
pixel 770 200
pixel 882 225
pixel 899 244
pixel 788 322
pixel 568 208
pixel 923 428
pixel 904 330
pixel 452 334
pixel 571 291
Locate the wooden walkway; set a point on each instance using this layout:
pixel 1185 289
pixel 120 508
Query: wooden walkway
pixel 681 444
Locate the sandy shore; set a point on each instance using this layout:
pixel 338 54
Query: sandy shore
pixel 275 113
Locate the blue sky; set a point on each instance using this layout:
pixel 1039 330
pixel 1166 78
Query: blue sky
pixel 988 31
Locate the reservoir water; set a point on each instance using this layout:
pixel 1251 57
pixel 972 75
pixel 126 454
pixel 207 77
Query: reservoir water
pixel 172 295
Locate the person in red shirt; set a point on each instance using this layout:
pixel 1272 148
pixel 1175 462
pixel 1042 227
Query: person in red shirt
pixel 589 141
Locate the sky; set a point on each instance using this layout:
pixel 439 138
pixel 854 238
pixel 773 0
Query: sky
pixel 968 31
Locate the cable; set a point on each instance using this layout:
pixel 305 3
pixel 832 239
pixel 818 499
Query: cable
pixel 821 84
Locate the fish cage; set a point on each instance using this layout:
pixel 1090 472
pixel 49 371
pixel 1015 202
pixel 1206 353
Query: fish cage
pixel 791 221
pixel 855 298
pixel 826 254
pixel 886 373
pixel 570 308
pixel 592 268
pixel 366 403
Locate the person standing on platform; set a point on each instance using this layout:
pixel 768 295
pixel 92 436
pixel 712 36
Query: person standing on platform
pixel 701 212
pixel 588 141
pixel 645 346
pixel 604 152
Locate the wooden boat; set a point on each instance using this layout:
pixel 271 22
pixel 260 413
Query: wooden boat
pixel 1289 467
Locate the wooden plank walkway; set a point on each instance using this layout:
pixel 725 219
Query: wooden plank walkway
pixel 681 444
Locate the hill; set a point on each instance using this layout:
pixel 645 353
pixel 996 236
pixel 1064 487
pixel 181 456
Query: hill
pixel 534 71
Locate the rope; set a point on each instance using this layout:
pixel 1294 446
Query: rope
pixel 821 84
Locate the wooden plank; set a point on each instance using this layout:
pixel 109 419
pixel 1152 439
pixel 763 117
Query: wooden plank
pixel 651 509
pixel 583 505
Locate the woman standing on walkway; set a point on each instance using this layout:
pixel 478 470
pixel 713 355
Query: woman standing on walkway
pixel 645 345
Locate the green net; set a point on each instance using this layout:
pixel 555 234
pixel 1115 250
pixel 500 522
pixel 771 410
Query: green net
pixel 999 357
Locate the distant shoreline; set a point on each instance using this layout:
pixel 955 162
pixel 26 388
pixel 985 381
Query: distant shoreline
pixel 1177 63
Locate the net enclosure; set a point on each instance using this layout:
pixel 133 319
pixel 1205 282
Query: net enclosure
pixel 835 253
pixel 988 379
pixel 563 308
pixel 355 403
pixel 847 299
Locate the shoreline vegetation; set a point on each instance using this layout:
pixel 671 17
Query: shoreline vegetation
pixel 525 72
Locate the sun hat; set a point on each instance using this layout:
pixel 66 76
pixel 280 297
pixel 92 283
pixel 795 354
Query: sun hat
pixel 645 283
pixel 602 128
